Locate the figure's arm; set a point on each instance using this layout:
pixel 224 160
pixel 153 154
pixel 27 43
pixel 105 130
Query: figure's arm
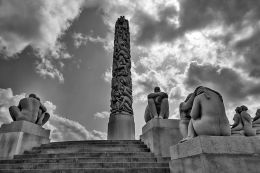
pixel 196 109
pixel 43 108
pixel 188 105
pixel 152 95
pixel 236 121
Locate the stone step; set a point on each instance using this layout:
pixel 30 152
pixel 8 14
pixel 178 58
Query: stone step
pixel 96 142
pixel 88 154
pixel 92 170
pixel 85 159
pixel 83 165
pixel 92 146
pixel 90 149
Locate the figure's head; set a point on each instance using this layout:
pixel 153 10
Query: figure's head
pixel 238 110
pixel 257 112
pixel 157 89
pixel 188 97
pixel 244 108
pixel 34 96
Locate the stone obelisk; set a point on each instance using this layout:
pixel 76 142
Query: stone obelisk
pixel 121 124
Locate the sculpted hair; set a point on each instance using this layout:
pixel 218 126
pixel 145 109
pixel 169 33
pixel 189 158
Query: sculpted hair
pixel 209 90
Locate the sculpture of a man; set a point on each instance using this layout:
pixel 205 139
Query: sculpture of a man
pixel 30 109
pixel 256 122
pixel 208 116
pixel 238 125
pixel 158 105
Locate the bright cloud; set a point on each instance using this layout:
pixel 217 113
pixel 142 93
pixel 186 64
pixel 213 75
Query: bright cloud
pixel 39 24
pixel 102 115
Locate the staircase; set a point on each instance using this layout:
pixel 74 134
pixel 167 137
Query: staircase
pixel 99 156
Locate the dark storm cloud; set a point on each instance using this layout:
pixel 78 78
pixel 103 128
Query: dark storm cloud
pixel 194 15
pixel 225 80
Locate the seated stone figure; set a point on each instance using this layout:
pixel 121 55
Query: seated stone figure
pixel 30 109
pixel 208 116
pixel 242 123
pixel 158 106
pixel 237 127
pixel 184 109
pixel 256 122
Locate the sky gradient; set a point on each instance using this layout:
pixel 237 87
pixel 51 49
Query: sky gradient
pixel 62 51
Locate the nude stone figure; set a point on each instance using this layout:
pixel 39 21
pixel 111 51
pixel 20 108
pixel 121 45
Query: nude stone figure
pixel 30 109
pixel 208 116
pixel 247 122
pixel 185 108
pixel 238 125
pixel 256 122
pixel 158 105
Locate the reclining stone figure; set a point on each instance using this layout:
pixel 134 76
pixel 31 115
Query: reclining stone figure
pixel 208 116
pixel 158 106
pixel 30 109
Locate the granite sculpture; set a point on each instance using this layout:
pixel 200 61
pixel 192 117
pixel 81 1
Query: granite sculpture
pixel 158 105
pixel 121 122
pixel 242 123
pixel 184 109
pixel 208 116
pixel 30 109
pixel 256 122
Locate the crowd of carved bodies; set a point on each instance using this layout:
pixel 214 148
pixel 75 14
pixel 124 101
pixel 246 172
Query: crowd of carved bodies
pixel 30 109
pixel 121 93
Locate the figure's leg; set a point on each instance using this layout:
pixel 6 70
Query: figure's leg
pixel 183 125
pixel 152 108
pixel 45 118
pixel 191 132
pixel 164 113
pixel 147 114
pixel 14 112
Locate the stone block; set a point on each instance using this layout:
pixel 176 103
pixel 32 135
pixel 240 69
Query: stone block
pixel 19 136
pixel 214 154
pixel 121 127
pixel 160 134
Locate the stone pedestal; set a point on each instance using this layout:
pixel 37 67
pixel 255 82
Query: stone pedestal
pixel 160 134
pixel 214 154
pixel 257 128
pixel 121 127
pixel 19 136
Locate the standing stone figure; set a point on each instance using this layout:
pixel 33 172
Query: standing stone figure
pixel 30 109
pixel 208 116
pixel 121 122
pixel 158 105
pixel 242 123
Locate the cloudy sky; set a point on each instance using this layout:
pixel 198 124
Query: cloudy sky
pixel 62 51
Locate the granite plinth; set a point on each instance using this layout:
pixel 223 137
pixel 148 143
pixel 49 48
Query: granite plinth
pixel 214 154
pixel 160 134
pixel 121 127
pixel 19 136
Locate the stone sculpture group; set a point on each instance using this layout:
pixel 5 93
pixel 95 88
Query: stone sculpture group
pixel 203 113
pixel 30 109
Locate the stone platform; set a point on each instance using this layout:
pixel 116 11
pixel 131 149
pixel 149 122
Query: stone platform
pixel 104 156
pixel 121 127
pixel 160 134
pixel 19 136
pixel 214 154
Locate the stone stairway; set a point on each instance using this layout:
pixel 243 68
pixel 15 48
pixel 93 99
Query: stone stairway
pixel 98 156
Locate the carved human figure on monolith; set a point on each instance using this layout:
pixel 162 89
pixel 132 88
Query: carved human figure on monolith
pixel 30 109
pixel 208 116
pixel 184 109
pixel 158 105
